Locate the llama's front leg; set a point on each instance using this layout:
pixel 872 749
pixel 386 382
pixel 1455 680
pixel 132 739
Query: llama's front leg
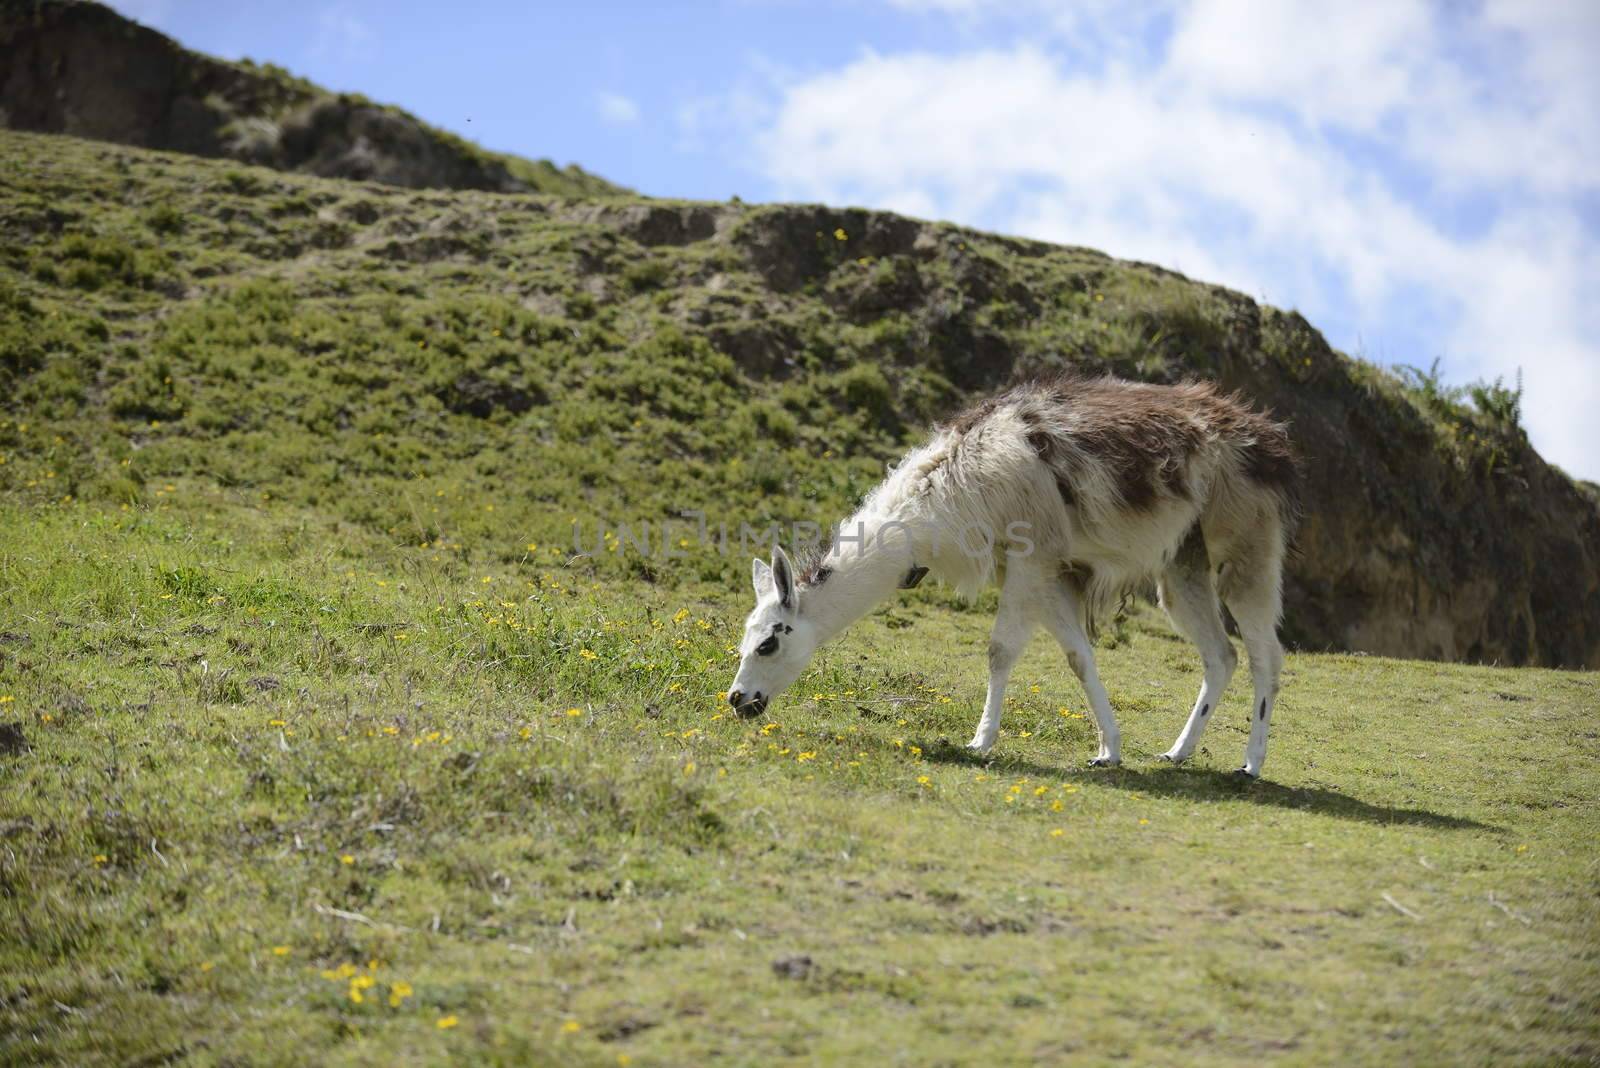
pixel 1065 621
pixel 1006 643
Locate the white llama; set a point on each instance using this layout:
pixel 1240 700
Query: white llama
pixel 1068 493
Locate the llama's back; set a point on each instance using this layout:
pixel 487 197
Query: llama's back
pixel 1112 475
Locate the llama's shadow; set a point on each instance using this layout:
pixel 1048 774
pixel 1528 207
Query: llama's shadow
pixel 1207 784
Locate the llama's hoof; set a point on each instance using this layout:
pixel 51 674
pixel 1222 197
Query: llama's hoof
pixel 1172 758
pixel 978 747
pixel 1247 774
pixel 1103 762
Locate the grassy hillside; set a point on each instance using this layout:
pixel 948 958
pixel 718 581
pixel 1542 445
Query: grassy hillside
pixel 353 348
pixel 319 743
pixel 278 790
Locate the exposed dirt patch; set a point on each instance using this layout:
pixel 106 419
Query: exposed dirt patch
pixel 12 739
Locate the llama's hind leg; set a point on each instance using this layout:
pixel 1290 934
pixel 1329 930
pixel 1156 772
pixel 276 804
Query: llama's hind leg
pixel 1256 605
pixel 1013 627
pixel 1063 616
pixel 1190 599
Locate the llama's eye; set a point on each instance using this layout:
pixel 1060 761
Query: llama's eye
pixel 768 647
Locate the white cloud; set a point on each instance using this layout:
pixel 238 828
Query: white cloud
pixel 1347 62
pixel 617 109
pixel 1320 156
pixel 341 34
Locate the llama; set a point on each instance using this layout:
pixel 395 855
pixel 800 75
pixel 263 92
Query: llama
pixel 1098 485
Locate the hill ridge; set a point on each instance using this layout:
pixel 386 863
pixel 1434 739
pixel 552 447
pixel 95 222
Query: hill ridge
pixel 81 68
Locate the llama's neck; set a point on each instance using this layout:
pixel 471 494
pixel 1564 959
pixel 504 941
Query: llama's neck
pixel 861 573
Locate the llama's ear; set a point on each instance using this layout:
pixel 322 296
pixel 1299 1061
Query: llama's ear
pixel 783 576
pixel 760 576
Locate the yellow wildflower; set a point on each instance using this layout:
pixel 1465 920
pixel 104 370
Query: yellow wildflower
pixel 444 1023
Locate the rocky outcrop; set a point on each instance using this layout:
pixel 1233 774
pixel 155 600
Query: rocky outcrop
pixel 79 68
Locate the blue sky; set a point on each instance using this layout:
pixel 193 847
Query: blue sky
pixel 1421 180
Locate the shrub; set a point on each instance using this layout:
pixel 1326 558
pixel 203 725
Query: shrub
pixel 644 275
pixel 1429 389
pixel 165 219
pixel 1501 405
pixel 864 388
pixel 94 262
pixel 242 182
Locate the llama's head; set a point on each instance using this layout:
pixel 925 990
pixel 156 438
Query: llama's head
pixel 778 640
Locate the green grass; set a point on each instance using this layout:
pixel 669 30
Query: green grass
pixel 264 748
pixel 300 671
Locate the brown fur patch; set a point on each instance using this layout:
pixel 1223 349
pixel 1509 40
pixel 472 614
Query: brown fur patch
pixel 1045 446
pixel 1144 434
pixel 1270 459
pixel 968 419
pixel 813 572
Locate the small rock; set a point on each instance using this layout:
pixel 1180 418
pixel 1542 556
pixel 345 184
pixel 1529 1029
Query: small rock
pixel 795 967
pixel 12 740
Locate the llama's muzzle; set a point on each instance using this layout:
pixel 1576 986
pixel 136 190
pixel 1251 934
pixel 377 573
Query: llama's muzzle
pixel 753 707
